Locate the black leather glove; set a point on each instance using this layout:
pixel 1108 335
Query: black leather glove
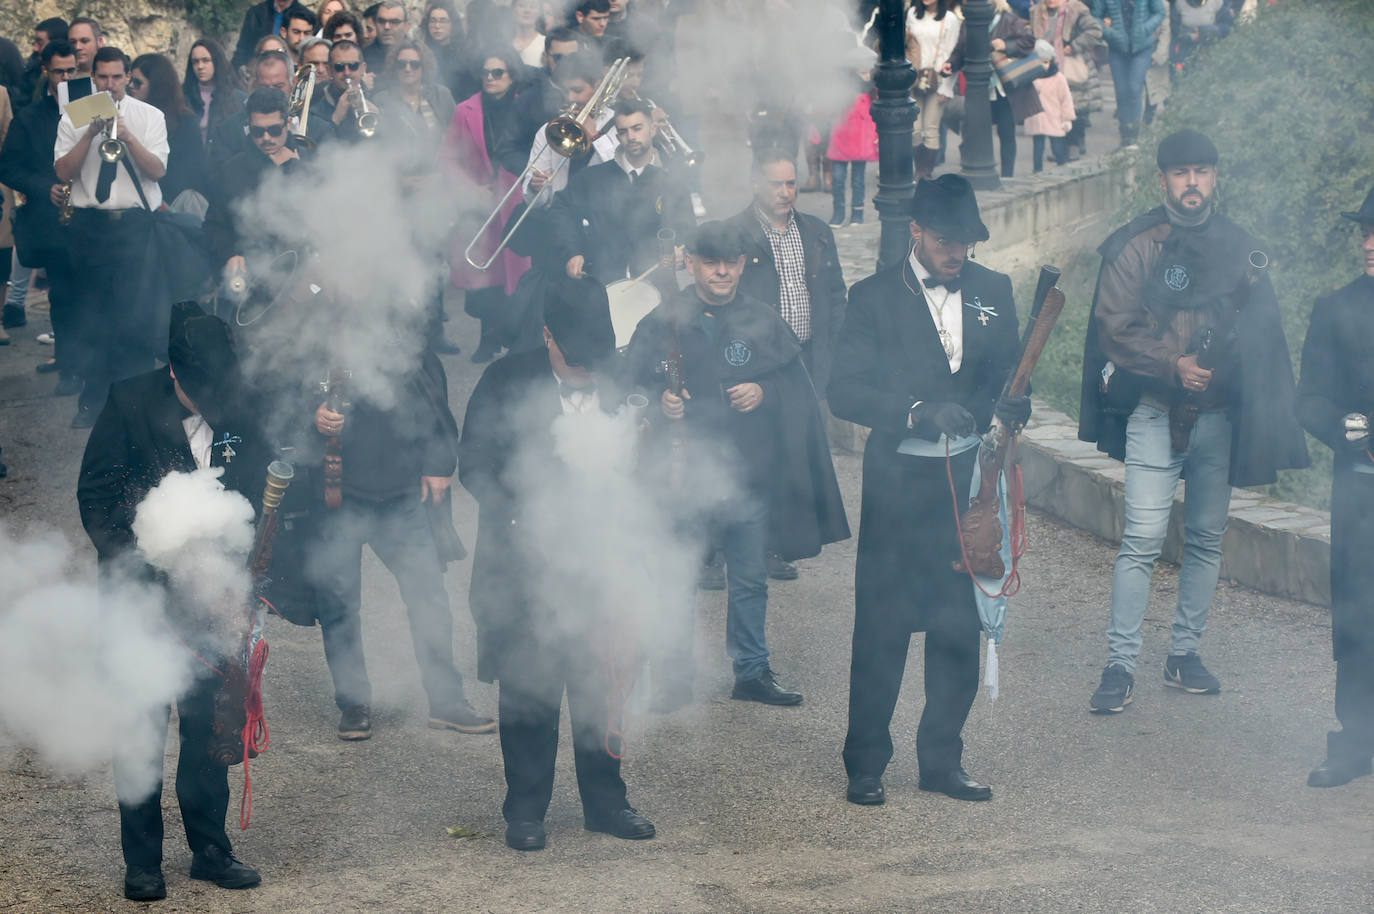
pixel 948 418
pixel 1013 411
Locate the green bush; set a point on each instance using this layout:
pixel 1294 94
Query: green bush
pixel 217 17
pixel 1289 102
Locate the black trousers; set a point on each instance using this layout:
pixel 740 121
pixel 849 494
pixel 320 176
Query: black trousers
pixel 62 310
pixel 1354 709
pixel 875 679
pixel 115 332
pixel 202 785
pixel 1005 122
pixel 399 533
pixel 531 696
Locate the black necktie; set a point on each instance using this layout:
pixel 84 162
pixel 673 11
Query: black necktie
pixel 632 177
pixel 952 285
pixel 106 179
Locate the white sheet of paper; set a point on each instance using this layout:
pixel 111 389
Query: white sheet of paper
pixel 85 110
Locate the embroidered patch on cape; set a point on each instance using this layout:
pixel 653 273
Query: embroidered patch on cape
pixel 1176 277
pixel 738 353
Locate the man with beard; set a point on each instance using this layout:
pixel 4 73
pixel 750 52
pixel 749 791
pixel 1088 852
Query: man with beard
pixel 605 223
pixel 746 405
pixel 1185 374
pixel 532 645
pixel 172 420
pixel 1335 402
pixel 924 353
pixel 271 70
pixel 336 105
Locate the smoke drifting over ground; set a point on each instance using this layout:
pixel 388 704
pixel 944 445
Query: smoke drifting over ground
pixel 86 671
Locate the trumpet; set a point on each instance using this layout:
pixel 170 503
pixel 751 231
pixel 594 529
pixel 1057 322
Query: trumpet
pixel 670 142
pixel 367 120
pixel 64 211
pixel 112 148
pixel 567 135
pixel 299 107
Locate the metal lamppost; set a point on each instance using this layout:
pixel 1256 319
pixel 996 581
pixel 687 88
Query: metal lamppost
pixel 894 113
pixel 975 152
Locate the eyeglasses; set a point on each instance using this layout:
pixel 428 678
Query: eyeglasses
pixel 273 130
pixel 64 71
pixel 352 66
pixel 408 64
pixel 494 73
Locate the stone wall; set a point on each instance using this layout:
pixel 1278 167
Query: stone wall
pixel 134 26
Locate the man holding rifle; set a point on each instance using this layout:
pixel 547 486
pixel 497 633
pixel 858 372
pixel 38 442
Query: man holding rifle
pixel 922 358
pixel 1185 374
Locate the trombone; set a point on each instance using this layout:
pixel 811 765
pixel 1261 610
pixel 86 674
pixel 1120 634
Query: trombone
pixel 299 108
pixel 567 135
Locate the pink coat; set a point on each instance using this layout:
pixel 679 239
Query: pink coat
pixel 1057 102
pixel 465 155
pixel 855 137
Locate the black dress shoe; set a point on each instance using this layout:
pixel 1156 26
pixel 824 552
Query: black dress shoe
pixel 223 869
pixel 144 883
pixel 956 784
pixel 866 790
pixel 355 723
pixel 765 689
pixel 68 385
pixel 623 823
pixel 1337 771
pixel 525 835
pixel 84 418
pixel 780 570
pixel 47 367
pixel 461 717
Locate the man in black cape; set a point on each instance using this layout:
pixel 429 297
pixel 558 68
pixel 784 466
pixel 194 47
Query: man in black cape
pixel 1185 373
pixel 747 406
pixel 925 350
pixel 533 643
pixel 1335 402
pixel 173 420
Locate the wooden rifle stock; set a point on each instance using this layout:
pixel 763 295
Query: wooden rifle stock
pixel 333 389
pixel 980 527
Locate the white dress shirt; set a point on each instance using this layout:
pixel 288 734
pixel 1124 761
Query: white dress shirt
pixel 577 401
pixel 200 437
pixel 945 305
pixel 146 123
pixel 546 160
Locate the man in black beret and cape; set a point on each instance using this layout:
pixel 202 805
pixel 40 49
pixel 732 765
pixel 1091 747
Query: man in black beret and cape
pixel 173 420
pixel 1185 374
pixel 925 350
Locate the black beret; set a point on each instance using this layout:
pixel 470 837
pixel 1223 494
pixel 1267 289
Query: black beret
pixel 716 240
pixel 1186 147
pixel 578 316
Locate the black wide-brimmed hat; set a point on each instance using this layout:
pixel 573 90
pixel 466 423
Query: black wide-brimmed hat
pixel 578 315
pixel 1365 214
pixel 201 353
pixel 948 207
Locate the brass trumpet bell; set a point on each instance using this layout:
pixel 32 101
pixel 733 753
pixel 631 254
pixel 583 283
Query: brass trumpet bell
pixel 111 150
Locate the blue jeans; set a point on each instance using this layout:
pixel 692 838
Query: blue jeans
pixel 744 536
pixel 1153 469
pixel 1128 76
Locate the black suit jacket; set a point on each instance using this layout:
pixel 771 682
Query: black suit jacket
pixel 824 282
pixel 613 223
pixel 508 436
pixel 889 356
pixel 236 180
pixel 257 22
pixel 26 165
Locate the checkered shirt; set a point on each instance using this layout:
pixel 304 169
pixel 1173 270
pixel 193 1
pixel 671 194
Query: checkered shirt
pixel 794 300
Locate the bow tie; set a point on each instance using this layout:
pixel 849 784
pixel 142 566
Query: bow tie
pixel 575 394
pixel 952 285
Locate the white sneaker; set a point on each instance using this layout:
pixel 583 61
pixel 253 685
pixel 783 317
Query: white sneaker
pixel 46 338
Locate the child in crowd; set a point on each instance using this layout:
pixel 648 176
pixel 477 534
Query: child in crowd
pixel 1057 114
pixel 853 144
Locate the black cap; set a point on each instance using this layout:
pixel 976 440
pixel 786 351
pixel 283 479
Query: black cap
pixel 578 316
pixel 201 353
pixel 948 207
pixel 716 240
pixel 1186 147
pixel 1365 214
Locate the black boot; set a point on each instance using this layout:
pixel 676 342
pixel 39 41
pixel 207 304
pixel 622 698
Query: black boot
pixel 1343 763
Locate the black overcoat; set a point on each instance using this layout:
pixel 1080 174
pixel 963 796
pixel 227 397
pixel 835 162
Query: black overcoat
pixel 1338 378
pixel 507 436
pixel 26 165
pixel 824 282
pixel 781 448
pixel 889 356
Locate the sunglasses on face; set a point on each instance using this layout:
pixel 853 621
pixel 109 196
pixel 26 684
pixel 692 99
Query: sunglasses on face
pixel 494 73
pixel 273 130
pixel 408 64
pixel 352 66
